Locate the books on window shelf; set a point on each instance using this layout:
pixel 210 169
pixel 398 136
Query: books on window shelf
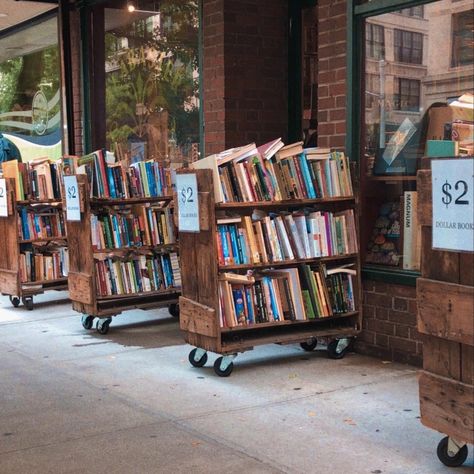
pixel 39 179
pixel 290 294
pixel 116 180
pixel 136 227
pixel 40 224
pixel 276 173
pixel 140 274
pixel 275 237
pixel 41 265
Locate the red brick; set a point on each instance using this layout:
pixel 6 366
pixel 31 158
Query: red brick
pixel 375 299
pixel 381 313
pixel 400 304
pixel 368 311
pixel 402 331
pixel 381 340
pixel 402 318
pixel 403 345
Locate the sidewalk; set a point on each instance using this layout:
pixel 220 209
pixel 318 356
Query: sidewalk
pixel 129 402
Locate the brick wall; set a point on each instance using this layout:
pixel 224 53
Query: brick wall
pixel 389 324
pixel 245 72
pixel 332 73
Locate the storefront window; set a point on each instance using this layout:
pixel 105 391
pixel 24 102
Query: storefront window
pixel 152 101
pixel 30 104
pixel 408 105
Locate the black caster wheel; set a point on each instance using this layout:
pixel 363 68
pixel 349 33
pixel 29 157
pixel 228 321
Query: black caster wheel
pixel 173 309
pixel 197 363
pixel 87 322
pixel 334 350
pixel 103 325
pixel 15 301
pixel 445 457
pixel 309 345
pixel 222 373
pixel 28 302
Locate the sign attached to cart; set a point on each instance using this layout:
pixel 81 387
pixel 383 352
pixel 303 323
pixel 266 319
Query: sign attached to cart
pixel 3 198
pixel 188 202
pixel 73 207
pixel 453 204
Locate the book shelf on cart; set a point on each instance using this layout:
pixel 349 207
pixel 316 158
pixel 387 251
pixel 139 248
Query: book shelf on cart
pixel 83 291
pixel 200 305
pixel 12 245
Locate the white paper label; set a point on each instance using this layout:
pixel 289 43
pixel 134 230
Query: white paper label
pixel 453 204
pixel 73 208
pixel 3 198
pixel 188 204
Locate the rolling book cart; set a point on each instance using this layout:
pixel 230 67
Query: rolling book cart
pixel 445 298
pixel 85 276
pixel 201 317
pixel 14 280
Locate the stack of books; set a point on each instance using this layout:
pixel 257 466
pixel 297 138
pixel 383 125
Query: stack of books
pixel 275 237
pixel 43 265
pixel 274 172
pixel 40 224
pixel 140 274
pixel 297 293
pixel 118 181
pixel 39 179
pixel 136 227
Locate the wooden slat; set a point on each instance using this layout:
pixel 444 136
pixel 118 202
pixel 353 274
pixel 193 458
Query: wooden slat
pixel 9 282
pixel 467 364
pixel 442 357
pixel 447 406
pixel 425 206
pixel 446 310
pixel 197 318
pixel 81 288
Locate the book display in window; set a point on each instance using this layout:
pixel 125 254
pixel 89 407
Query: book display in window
pixel 277 260
pixel 124 251
pixel 34 252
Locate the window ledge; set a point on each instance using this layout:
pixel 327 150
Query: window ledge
pixel 390 275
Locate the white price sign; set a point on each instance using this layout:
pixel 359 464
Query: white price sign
pixel 73 207
pixel 453 204
pixel 3 198
pixel 188 204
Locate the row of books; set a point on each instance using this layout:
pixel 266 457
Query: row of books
pixel 274 237
pixel 143 273
pixel 40 224
pixel 39 179
pixel 111 179
pixel 294 294
pixel 136 227
pixel 274 172
pixel 44 265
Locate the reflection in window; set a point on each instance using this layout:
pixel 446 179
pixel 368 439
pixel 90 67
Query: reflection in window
pixel 152 102
pixel 463 38
pixel 408 46
pixel 375 41
pixel 30 105
pixel 412 11
pixel 407 96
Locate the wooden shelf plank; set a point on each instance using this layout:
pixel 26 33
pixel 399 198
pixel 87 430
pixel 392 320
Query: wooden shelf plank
pixel 283 204
pixel 44 282
pixel 391 178
pixel 124 201
pixel 136 248
pixel 118 298
pixel 258 326
pixel 297 261
pixel 46 239
pixel 27 202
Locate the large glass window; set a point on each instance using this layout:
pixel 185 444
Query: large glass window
pixel 30 115
pixel 375 41
pixel 152 101
pixel 409 101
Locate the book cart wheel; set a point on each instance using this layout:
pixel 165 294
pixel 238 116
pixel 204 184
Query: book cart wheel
pixel 223 366
pixel 173 309
pixel 338 348
pixel 28 302
pixel 103 325
pixel 87 321
pixel 15 301
pixel 309 345
pixel 451 453
pixel 197 357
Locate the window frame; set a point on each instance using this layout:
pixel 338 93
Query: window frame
pixel 455 57
pixel 356 15
pixel 399 42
